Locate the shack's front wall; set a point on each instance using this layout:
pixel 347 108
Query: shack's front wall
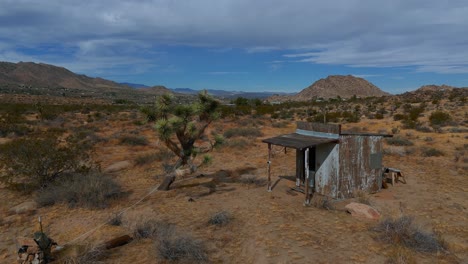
pixel 327 169
pixel 355 170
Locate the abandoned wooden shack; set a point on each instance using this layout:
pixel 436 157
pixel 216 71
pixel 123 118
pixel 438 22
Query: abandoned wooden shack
pixel 330 162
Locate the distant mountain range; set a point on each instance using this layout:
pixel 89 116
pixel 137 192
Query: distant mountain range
pixel 44 79
pixel 230 94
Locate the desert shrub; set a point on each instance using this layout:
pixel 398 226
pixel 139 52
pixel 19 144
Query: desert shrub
pixel 431 152
pixel 116 220
pixel 423 129
pixel 243 132
pixel 152 228
pixel 362 197
pixel 90 190
pixel 7 129
pixel 439 118
pixel 237 143
pixel 252 180
pixel 398 117
pixel 88 254
pixel 163 154
pixel 458 130
pixel 181 248
pixel 398 151
pixel 219 140
pixel 399 141
pixel 134 140
pixel 207 160
pixel 220 218
pixel 280 124
pixel 402 231
pixel 36 162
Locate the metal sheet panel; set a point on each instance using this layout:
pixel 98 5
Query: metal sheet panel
pixel 327 169
pixel 356 172
pixel 297 141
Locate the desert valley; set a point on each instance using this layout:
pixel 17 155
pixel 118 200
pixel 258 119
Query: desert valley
pixel 87 155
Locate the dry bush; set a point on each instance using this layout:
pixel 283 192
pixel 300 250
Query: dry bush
pixel 402 231
pixel 220 218
pixel 134 140
pixel 152 228
pixel 362 197
pixel 253 180
pixel 116 220
pixel 36 162
pixel 398 151
pixel 91 190
pixel 182 248
pixel 163 154
pixel 88 255
pixel 399 141
pixel 431 152
pixel 401 255
pixel 239 143
pixel 170 244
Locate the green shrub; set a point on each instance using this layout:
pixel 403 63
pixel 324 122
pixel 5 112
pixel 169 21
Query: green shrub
pixel 219 140
pixel 36 162
pixel 90 190
pixel 399 141
pixel 134 140
pixel 440 118
pixel 243 132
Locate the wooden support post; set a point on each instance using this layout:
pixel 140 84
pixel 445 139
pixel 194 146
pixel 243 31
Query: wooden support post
pixel 306 165
pixel 269 165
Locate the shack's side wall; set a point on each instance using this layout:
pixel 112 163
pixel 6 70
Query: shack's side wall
pixel 327 169
pixel 355 172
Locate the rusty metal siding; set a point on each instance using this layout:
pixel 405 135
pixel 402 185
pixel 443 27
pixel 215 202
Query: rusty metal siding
pixel 355 168
pixel 327 169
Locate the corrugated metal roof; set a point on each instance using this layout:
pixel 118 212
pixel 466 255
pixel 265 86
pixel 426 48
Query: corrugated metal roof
pixel 298 141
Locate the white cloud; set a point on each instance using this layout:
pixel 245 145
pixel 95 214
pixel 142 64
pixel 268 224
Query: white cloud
pixel 429 35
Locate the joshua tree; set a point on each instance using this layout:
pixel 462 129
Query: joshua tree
pixel 179 126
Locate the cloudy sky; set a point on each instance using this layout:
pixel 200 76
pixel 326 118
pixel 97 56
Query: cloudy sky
pixel 261 45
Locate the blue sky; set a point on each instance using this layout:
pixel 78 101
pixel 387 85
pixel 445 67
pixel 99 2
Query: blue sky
pixel 260 45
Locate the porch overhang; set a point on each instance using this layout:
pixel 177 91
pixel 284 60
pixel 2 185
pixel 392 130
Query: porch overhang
pixel 298 141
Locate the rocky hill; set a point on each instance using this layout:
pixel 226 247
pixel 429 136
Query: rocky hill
pixel 339 85
pixel 44 79
pixel 435 92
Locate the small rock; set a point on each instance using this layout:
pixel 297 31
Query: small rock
pixel 191 199
pixel 362 211
pixel 121 165
pixel 25 207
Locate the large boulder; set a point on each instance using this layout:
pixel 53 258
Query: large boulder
pixel 24 207
pixel 118 166
pixel 362 211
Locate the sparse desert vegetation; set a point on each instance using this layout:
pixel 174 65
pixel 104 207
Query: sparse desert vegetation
pixel 97 167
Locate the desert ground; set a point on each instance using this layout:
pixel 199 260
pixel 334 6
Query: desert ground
pixel 262 227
